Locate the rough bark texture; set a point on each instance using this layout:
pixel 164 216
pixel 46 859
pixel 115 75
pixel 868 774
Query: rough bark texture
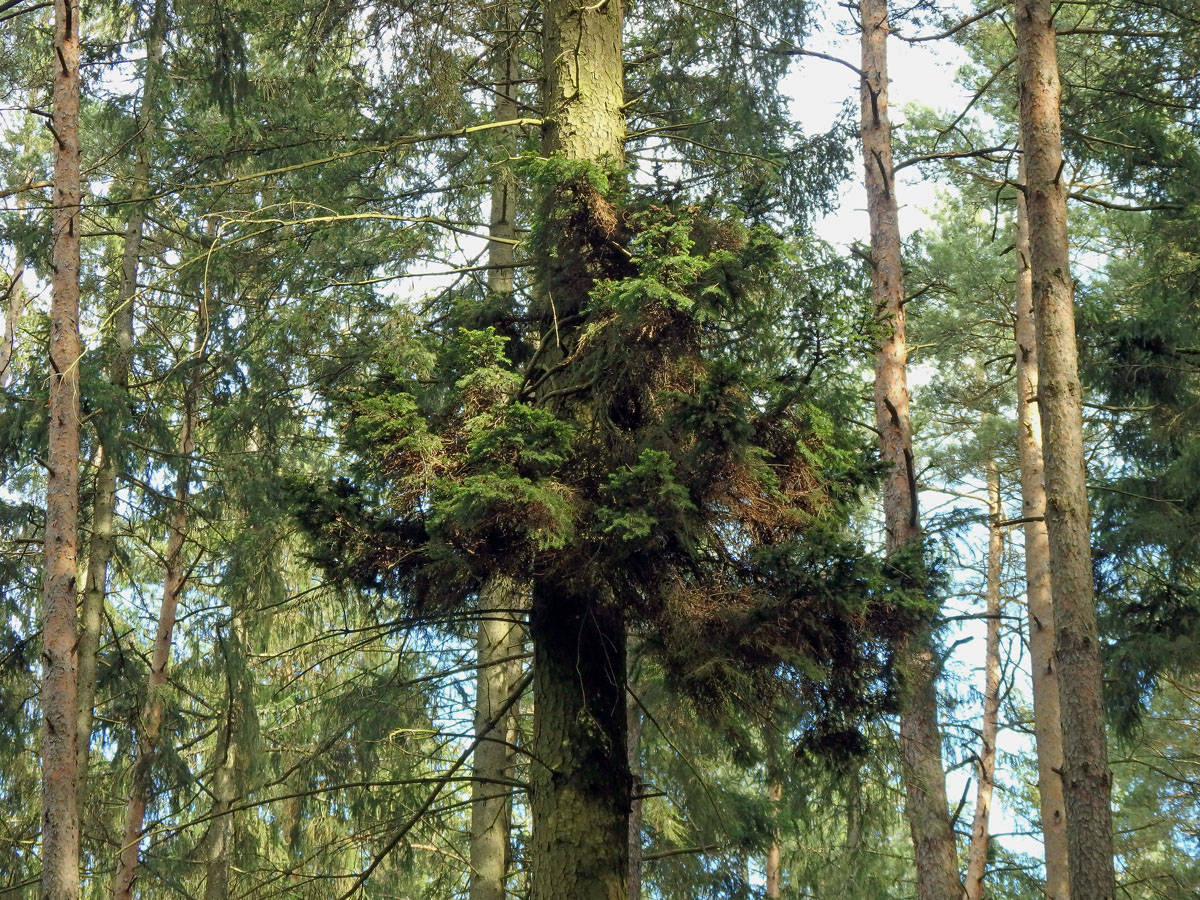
pixel 60 809
pixel 1047 720
pixel 1087 781
pixel 774 867
pixel 580 783
pixel 926 806
pixel 498 641
pixel 150 723
pixel 104 505
pixel 985 768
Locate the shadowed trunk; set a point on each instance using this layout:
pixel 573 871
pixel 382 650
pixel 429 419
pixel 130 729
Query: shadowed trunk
pixel 101 546
pixel 1087 782
pixel 986 765
pixel 60 807
pixel 634 741
pixel 581 782
pixel 1047 721
pixel 926 806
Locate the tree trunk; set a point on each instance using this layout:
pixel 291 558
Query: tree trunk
pixel 60 808
pixel 581 782
pixel 499 632
pixel 1047 721
pixel 774 869
pixel 101 546
pixel 15 299
pixel 499 640
pixel 150 722
pixel 1086 778
pixel 634 741
pixel 986 768
pixel 920 738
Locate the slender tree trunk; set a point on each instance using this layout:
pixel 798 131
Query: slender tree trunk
pixel 499 640
pixel 232 761
pixel 1047 720
pixel 60 808
pixel 581 781
pixel 634 740
pixel 1086 778
pixel 101 546
pixel 15 299
pixel 920 738
pixel 986 768
pixel 499 632
pixel 774 868
pixel 150 723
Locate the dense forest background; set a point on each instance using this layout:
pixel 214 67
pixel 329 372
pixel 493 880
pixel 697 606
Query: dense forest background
pixel 446 451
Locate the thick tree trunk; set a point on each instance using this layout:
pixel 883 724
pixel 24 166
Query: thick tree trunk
pixel 634 740
pixel 150 722
pixel 1047 721
pixel 1087 781
pixel 101 546
pixel 986 768
pixel 920 738
pixel 581 782
pixel 498 641
pixel 60 808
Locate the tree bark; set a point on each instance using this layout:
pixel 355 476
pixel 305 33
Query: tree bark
pixel 581 781
pixel 926 806
pixel 60 808
pixel 634 741
pixel 498 641
pixel 1047 721
pixel 150 723
pixel 986 767
pixel 101 547
pixel 499 635
pixel 774 868
pixel 15 299
pixel 1087 780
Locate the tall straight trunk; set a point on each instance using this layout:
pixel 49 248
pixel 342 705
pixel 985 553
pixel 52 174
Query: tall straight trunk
pixel 1087 780
pixel 232 763
pixel 774 867
pixel 926 806
pixel 581 782
pixel 499 636
pixel 104 506
pixel 498 641
pixel 60 808
pixel 986 768
pixel 1047 718
pixel 150 722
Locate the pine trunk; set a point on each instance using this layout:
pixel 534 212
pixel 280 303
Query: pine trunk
pixel 1047 721
pixel 498 641
pixel 634 739
pixel 150 723
pixel 60 807
pixel 774 867
pixel 499 636
pixel 581 781
pixel 920 738
pixel 1087 781
pixel 15 299
pixel 986 768
pixel 104 505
